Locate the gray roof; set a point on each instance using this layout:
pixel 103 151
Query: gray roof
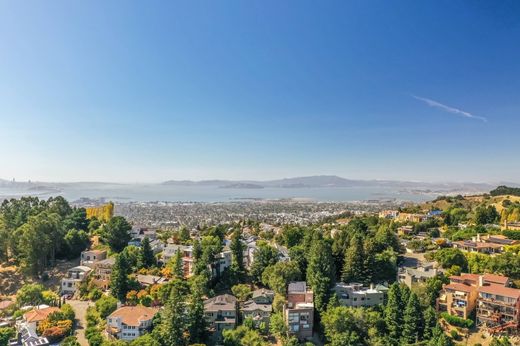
pixel 298 286
pixel 262 292
pixel 222 302
pixel 251 305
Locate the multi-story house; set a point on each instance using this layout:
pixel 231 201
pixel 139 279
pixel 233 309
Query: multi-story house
pixel 129 322
pixel 222 262
pixel 75 276
pixel 221 313
pixel 298 312
pixel 355 294
pixel 187 256
pixel 498 307
pixel 89 258
pixel 413 276
pixel 102 273
pixel 259 307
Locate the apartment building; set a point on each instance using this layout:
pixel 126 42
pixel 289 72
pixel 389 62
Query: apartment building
pixel 298 311
pixel 498 307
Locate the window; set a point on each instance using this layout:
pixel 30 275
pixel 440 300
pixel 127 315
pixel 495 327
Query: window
pixel 295 328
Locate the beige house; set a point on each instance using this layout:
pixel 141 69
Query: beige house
pixel 221 313
pixel 129 322
pixel 355 294
pixel 89 258
pixel 259 307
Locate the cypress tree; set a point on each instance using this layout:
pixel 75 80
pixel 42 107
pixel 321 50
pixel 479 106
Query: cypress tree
pixel 174 317
pixel 353 268
pixel 119 285
pixel 413 323
pixel 430 322
pixel 177 266
pixel 393 313
pixel 237 260
pixel 146 256
pixel 320 271
pixel 196 319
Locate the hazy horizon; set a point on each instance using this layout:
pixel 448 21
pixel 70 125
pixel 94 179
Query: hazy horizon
pixel 129 92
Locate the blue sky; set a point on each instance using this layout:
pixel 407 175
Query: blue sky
pixel 156 90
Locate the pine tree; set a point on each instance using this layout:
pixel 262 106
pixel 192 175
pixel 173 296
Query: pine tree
pixel 174 317
pixel 119 285
pixel 177 266
pixel 393 313
pixel 320 271
pixel 405 296
pixel 237 261
pixel 413 323
pixel 369 262
pixel 196 319
pixel 430 322
pixel 146 256
pixel 353 267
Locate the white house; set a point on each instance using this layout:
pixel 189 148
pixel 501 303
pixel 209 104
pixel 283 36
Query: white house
pixel 75 276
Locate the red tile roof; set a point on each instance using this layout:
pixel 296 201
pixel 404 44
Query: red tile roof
pixel 460 287
pixel 39 315
pixel 133 315
pixel 500 291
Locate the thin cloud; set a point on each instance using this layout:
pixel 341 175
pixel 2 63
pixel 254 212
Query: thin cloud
pixel 449 109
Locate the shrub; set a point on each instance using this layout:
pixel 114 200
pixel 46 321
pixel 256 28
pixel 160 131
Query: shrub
pixel 457 321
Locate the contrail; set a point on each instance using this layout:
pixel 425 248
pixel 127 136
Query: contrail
pixel 449 109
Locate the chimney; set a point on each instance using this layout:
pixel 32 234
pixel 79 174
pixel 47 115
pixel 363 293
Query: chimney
pixel 371 286
pixel 481 280
pixel 478 237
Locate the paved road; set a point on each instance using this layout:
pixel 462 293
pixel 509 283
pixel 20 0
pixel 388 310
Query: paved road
pixel 80 308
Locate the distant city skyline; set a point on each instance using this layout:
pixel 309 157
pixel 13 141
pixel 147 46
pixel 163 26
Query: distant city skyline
pixel 123 91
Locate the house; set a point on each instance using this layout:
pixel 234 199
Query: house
pixel 129 322
pixel 221 313
pixel 88 258
pixel 498 307
pixel 149 280
pixel 410 217
pixel 27 336
pixel 413 276
pixel 75 276
pixel 298 311
pixel 388 214
pixel 102 273
pixel 34 317
pixel 187 256
pixel 499 239
pixel 404 230
pixel 514 226
pixel 222 262
pixel 355 294
pixel 259 307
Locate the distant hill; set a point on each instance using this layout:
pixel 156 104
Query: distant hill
pixel 505 190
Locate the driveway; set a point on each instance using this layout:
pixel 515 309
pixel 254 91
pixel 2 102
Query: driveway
pixel 80 308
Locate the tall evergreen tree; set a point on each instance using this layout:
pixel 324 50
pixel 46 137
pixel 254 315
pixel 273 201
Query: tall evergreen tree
pixel 146 256
pixel 369 261
pixel 116 233
pixel 405 296
pixel 393 313
pixel 237 260
pixel 174 317
pixel 413 322
pixel 430 322
pixel 196 319
pixel 177 266
pixel 320 271
pixel 353 267
pixel 119 283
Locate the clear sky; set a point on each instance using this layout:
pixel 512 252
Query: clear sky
pixel 155 90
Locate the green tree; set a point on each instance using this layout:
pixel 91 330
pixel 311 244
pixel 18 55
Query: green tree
pixel 321 271
pixel 117 233
pixel 243 336
pixel 278 276
pixel 430 322
pixel 30 294
pixel 196 319
pixel 174 317
pixel 6 333
pixel 449 257
pixel 237 259
pixel 413 323
pixel 265 255
pixel 75 241
pixel 340 327
pixel 177 266
pixel 145 340
pixel 393 313
pixel 353 267
pixel 146 257
pixel 106 305
pixel 70 341
pixel 241 291
pixel 119 283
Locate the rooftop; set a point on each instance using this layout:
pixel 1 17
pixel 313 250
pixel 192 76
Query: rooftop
pixel 500 290
pixel 133 315
pixel 38 315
